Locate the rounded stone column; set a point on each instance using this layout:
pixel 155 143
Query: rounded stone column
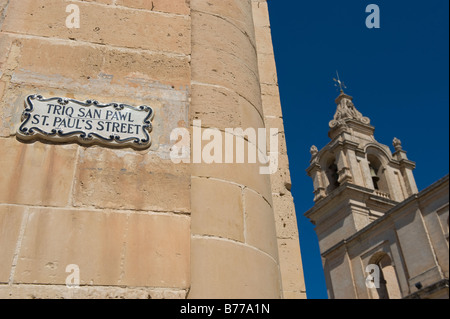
pixel 234 250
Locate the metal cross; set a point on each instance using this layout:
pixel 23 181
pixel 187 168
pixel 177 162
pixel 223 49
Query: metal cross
pixel 339 83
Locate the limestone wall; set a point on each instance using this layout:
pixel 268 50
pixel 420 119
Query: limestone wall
pixel 122 216
pixel 136 224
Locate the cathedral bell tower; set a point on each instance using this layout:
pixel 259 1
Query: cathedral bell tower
pixel 356 179
pixel 379 237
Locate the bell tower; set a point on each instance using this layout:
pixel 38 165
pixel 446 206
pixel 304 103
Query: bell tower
pixel 356 178
pixel 379 237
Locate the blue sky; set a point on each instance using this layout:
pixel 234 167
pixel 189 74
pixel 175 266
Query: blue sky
pixel 398 76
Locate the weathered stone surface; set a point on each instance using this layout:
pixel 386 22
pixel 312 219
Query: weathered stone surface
pixel 55 239
pixel 235 268
pixel 116 26
pixel 3 4
pixel 222 108
pixel 129 180
pixel 110 249
pixel 237 12
pixel 10 225
pixel 172 6
pixel 225 63
pixel 125 77
pixel 209 104
pixel 291 269
pixel 260 224
pixel 83 64
pixel 267 69
pixel 277 123
pixel 286 220
pixel 271 106
pixel 260 14
pixel 223 69
pixel 36 174
pixel 217 209
pixel 281 181
pixel 241 46
pixel 264 40
pixel 245 174
pixel 5 46
pixel 157 251
pixel 86 292
pixel 101 1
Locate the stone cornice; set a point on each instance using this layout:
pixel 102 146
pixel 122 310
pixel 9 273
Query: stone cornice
pixel 349 188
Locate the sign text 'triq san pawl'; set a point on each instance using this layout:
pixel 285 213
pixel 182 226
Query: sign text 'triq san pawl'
pixel 66 120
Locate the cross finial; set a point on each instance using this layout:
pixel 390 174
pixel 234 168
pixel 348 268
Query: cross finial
pixel 339 83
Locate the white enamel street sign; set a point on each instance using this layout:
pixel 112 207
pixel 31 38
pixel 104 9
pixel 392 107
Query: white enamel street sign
pixel 65 120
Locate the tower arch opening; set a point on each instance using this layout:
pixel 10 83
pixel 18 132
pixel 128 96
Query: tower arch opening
pixel 331 174
pixel 378 174
pixel 388 287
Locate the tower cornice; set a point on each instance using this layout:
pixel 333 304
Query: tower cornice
pixel 345 192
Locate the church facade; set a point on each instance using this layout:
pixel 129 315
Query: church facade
pixel 379 237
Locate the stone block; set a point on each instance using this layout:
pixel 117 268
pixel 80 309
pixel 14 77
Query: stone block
pixel 221 108
pixel 124 179
pixel 281 181
pixel 55 63
pixel 208 106
pixel 37 173
pixel 157 251
pixel 11 108
pixel 277 123
pixel 215 67
pixel 267 69
pixel 5 47
pixel 10 224
pixel 270 89
pixel 261 13
pixel 286 219
pixel 264 40
pixel 272 105
pixel 247 173
pixel 110 249
pixel 225 270
pixel 291 269
pixel 207 27
pixel 100 24
pixel 54 239
pixel 217 209
pixel 260 224
pixel 237 12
